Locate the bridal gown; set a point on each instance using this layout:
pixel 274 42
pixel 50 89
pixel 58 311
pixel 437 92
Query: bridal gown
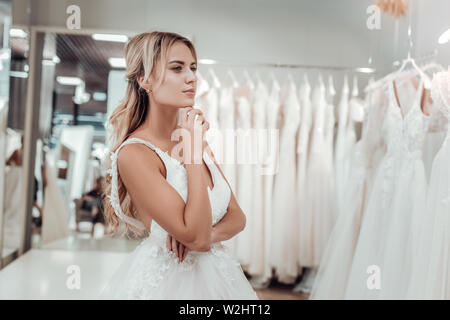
pixel 284 220
pixel 257 265
pixel 151 271
pixel 244 171
pixel 338 256
pixel 304 219
pixel 320 205
pixel 385 241
pixel 431 266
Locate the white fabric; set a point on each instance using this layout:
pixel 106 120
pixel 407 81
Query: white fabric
pixel 304 218
pixel 13 206
pixel 55 212
pixel 338 256
pixel 153 272
pixel 431 264
pixel 320 204
pixel 244 190
pixel 385 238
pixel 284 220
pixel 259 249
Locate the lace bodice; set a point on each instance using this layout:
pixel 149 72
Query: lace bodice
pixel 176 176
pixel 440 93
pixel 405 133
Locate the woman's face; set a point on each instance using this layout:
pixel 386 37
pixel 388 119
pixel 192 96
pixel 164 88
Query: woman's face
pixel 180 80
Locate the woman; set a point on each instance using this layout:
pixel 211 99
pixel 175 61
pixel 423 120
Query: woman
pixel 185 203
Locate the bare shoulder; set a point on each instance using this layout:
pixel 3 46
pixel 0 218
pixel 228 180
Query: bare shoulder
pixel 137 156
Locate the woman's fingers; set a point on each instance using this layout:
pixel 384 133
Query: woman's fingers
pixel 181 249
pixel 169 243
pixel 184 253
pixel 174 246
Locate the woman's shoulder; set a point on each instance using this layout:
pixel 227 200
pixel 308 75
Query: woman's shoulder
pixel 138 156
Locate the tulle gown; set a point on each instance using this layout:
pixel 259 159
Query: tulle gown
pixel 257 266
pixel 332 276
pixel 304 219
pixel 320 205
pixel 284 221
pixel 430 278
pixel 397 200
pixel 244 171
pixel 151 271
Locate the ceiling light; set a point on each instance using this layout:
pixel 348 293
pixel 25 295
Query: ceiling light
pixel 365 70
pixel 17 33
pixel 117 62
pixel 445 37
pixel 69 81
pixel 110 37
pixel 56 59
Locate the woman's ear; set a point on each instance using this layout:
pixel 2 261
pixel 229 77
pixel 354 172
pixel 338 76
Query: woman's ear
pixel 144 85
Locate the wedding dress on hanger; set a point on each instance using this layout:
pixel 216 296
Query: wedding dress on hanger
pixel 340 151
pixel 304 218
pixel 385 241
pixel 244 172
pixel 338 255
pixel 151 271
pixel 284 220
pixel 431 264
pixel 259 250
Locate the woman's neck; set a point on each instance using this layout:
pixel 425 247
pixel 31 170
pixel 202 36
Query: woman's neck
pixel 160 122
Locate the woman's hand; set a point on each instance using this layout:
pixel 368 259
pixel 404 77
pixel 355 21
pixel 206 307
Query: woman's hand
pixel 194 122
pixel 178 248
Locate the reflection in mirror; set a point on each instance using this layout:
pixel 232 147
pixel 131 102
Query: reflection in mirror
pixel 78 87
pixel 10 149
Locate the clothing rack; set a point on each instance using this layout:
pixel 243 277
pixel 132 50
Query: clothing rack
pixel 289 66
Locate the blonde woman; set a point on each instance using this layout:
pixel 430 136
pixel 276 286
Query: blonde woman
pixel 183 203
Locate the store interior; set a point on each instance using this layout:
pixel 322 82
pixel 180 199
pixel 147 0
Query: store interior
pixel 59 84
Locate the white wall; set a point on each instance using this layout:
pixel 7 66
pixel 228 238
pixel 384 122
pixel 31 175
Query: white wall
pixel 319 32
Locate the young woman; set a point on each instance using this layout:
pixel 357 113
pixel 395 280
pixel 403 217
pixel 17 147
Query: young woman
pixel 183 202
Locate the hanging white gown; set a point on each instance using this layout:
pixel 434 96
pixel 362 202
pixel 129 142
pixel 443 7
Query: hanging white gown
pixel 271 164
pixel 13 207
pixel 385 241
pixel 338 255
pixel 304 218
pixel 151 271
pixel 227 126
pixel 226 157
pixel 259 250
pixel 319 189
pixel 431 265
pixel 284 220
pixel 244 178
pixel 341 153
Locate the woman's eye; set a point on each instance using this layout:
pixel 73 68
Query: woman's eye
pixel 177 68
pixel 194 69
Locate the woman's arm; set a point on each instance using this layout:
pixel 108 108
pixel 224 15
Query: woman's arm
pixel 234 220
pixel 154 198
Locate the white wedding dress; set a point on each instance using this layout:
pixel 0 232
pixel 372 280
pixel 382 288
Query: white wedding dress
pixel 397 200
pixel 338 256
pixel 284 247
pixel 431 265
pixel 151 271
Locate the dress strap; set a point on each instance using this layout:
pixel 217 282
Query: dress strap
pixel 114 196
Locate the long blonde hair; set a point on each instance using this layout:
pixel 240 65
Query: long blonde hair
pixel 142 53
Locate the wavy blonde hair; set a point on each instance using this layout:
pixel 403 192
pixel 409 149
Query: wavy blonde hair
pixel 142 53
